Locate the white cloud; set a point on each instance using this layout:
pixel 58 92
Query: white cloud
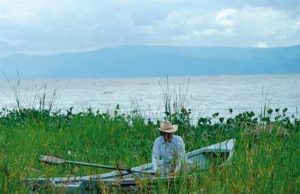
pixel 59 26
pixel 262 45
pixel 223 17
pixel 210 32
pixel 296 26
pixel 271 24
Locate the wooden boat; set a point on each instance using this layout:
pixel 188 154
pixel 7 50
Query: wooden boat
pixel 202 158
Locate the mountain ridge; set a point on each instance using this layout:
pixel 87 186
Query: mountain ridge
pixel 145 61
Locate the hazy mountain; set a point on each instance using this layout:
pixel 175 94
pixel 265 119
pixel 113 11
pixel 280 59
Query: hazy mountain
pixel 141 61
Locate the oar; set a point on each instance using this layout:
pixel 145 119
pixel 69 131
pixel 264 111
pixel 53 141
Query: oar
pixel 57 161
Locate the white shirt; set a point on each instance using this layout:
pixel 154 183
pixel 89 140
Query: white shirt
pixel 171 154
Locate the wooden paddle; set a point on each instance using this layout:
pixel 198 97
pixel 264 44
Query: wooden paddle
pixel 57 161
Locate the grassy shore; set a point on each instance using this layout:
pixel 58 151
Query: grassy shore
pixel 266 159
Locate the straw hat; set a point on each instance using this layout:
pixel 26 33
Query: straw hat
pixel 167 127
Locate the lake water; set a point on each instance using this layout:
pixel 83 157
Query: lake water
pixel 204 95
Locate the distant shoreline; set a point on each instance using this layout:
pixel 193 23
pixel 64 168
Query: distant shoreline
pixel 156 77
pixel 153 61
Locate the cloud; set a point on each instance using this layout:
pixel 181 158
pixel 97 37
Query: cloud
pixel 273 25
pixel 223 17
pixel 262 45
pixel 40 26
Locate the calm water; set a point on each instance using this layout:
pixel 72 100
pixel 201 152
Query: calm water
pixel 204 95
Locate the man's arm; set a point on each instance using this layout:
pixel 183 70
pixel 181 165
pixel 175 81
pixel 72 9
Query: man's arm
pixel 155 156
pixel 181 156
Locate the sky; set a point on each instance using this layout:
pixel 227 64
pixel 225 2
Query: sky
pixel 58 26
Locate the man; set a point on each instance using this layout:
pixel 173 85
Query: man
pixel 168 153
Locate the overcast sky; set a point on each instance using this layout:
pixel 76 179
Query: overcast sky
pixel 52 26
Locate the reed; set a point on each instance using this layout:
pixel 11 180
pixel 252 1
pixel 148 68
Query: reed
pixel 266 158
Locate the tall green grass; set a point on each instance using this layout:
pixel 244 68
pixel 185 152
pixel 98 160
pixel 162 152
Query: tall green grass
pixel 266 159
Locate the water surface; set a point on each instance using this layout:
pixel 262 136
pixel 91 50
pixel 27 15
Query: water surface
pixel 204 95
